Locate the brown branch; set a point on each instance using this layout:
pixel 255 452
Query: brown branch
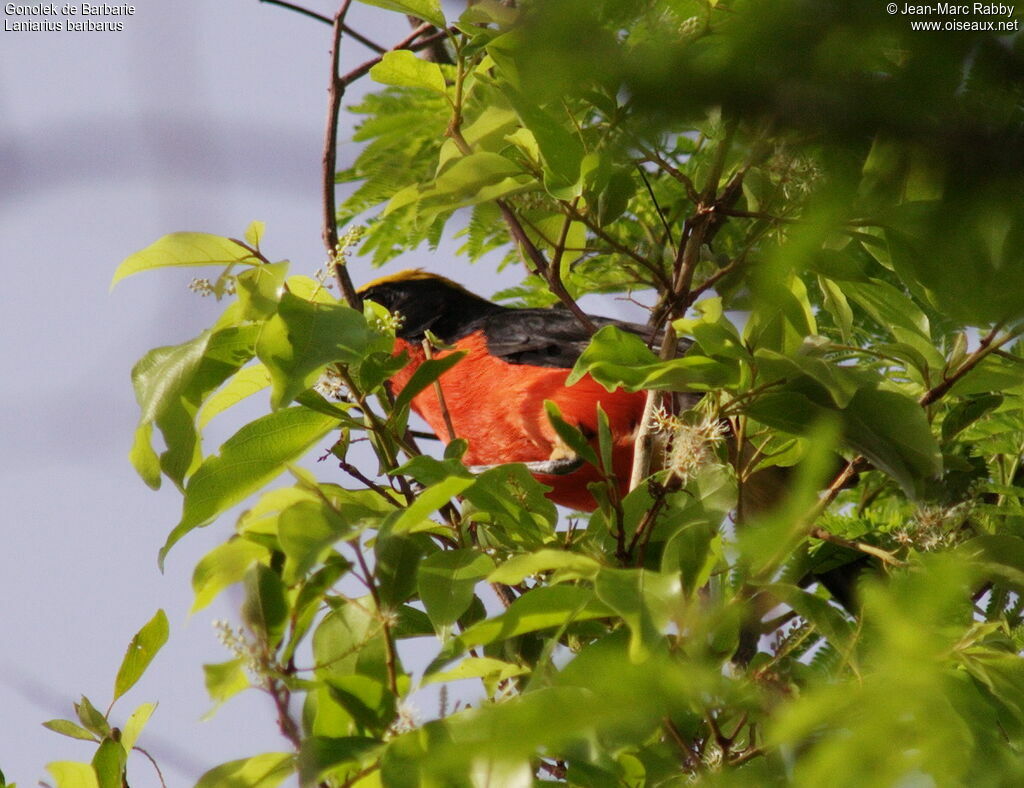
pixel 300 10
pixel 885 556
pixel 600 232
pixel 335 92
pixel 654 158
pixel 389 646
pixel 328 21
pixel 690 759
pixel 989 344
pixel 767 217
pixel 288 727
pixel 406 43
pixel 657 208
pixel 152 760
pixel 439 392
pixel 358 475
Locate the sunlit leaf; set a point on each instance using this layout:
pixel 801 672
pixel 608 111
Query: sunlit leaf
pixel 259 771
pixel 70 774
pixel 446 582
pixel 185 249
pixel 249 459
pixel 404 68
pixel 427 10
pixel 141 650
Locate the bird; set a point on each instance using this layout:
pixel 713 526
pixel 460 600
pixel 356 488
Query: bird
pixel 515 360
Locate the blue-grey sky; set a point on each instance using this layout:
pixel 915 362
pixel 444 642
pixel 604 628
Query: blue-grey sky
pixel 199 115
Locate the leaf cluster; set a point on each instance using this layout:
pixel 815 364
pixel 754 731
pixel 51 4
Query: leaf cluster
pixel 819 578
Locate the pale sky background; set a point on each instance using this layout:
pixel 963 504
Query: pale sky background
pixel 201 115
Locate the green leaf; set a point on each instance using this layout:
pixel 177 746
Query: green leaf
pixel 896 313
pixel 265 609
pixel 541 608
pixel 109 763
pixel 397 563
pixel 617 358
pixel 568 565
pixel 446 581
pixel 369 701
pixel 141 650
pixel 224 680
pixel 320 755
pixel 260 288
pixel 782 317
pixel 304 336
pixel 999 557
pixel 404 69
pixel 136 722
pixel 638 597
pixel 243 384
pixel 260 771
pixel 561 149
pixel 143 458
pixel 478 668
pixel 570 435
pixel 965 413
pixel 828 620
pixel 92 718
pixel 892 431
pixel 254 233
pixel 425 374
pixel 185 249
pixel 840 383
pixel 469 180
pixel 71 774
pixel 71 729
pixel 350 640
pixel 888 428
pixel 416 516
pixel 224 565
pixel 306 531
pixel 249 459
pixel 171 383
pixel 427 10
pixel 514 505
pixel 690 552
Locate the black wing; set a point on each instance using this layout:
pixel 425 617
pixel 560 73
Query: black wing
pixel 546 337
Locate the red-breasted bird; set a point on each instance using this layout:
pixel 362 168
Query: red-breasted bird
pixel 515 360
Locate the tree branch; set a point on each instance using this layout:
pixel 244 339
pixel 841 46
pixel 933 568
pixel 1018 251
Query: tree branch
pixel 335 92
pixel 989 344
pixel 405 43
pixel 389 646
pixel 328 21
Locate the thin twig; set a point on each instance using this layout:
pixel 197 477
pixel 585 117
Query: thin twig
pixel 406 43
pixel 655 158
pixel 358 475
pixel 988 344
pixel 335 92
pixel 389 646
pixel 152 760
pixel 428 351
pixel 601 233
pixel 661 214
pixel 690 759
pixel 300 10
pixel 885 556
pixel 288 727
pixel 328 21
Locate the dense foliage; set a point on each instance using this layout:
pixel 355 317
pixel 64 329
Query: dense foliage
pixel 829 205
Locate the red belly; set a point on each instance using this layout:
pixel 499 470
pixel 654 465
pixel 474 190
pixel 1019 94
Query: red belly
pixel 499 409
